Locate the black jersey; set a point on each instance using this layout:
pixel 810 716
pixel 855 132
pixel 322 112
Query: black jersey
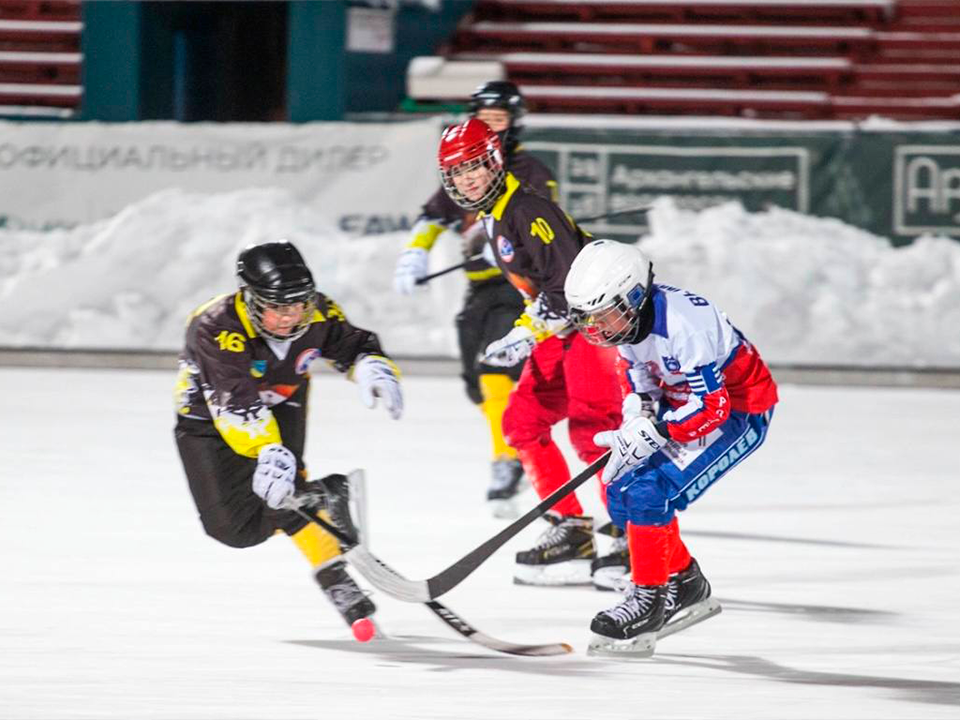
pixel 440 213
pixel 231 376
pixel 534 241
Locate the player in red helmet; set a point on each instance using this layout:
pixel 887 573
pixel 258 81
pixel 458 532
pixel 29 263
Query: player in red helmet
pixel 534 242
pixel 491 304
pixel 471 165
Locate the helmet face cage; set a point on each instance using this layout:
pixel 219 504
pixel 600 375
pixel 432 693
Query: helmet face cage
pixel 616 321
pixel 258 302
pixel 489 159
pixel 611 324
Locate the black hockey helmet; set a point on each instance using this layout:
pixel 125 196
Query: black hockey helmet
pixel 503 95
pixel 274 275
pixel 499 94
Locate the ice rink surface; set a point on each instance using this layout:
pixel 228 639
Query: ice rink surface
pixel 835 551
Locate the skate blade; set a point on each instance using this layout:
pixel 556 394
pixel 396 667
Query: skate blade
pixel 637 648
pixel 696 613
pixel 611 578
pixel 571 572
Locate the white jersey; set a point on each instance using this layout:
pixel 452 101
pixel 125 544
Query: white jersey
pixel 696 361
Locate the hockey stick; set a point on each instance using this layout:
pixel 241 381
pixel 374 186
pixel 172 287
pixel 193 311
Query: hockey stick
pixel 617 213
pixel 427 278
pixel 447 615
pixel 386 579
pixel 473 258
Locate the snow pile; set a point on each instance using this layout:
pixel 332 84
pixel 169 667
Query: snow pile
pixel 813 290
pixel 805 290
pixel 131 281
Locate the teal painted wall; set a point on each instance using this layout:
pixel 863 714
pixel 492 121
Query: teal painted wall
pixel 253 61
pixel 315 68
pixel 111 46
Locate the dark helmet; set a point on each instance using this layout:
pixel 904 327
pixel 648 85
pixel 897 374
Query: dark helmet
pixel 505 96
pixel 499 94
pixel 272 275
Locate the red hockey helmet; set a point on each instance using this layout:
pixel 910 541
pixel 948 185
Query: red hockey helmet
pixel 465 149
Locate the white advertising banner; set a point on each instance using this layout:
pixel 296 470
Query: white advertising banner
pixel 367 178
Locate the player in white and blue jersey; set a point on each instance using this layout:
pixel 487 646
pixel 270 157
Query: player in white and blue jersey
pixel 698 400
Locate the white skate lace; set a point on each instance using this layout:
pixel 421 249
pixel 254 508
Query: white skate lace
pixel 502 475
pixel 634 605
pixel 670 601
pixel 553 536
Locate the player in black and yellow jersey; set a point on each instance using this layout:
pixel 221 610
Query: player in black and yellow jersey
pixel 491 304
pixel 241 402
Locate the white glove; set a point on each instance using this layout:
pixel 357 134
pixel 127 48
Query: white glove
pixel 537 323
pixel 411 266
pixel 635 441
pixel 274 476
pixel 378 377
pixel 511 348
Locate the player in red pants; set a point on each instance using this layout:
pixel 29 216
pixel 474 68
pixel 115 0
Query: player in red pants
pixel 564 377
pixel 534 242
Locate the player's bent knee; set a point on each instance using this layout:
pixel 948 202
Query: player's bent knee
pixel 644 500
pixel 231 538
pixel 235 534
pixel 521 430
pixel 616 509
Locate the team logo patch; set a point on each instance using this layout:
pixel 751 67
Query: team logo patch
pixel 258 368
pixel 671 363
pixel 504 248
pixel 304 359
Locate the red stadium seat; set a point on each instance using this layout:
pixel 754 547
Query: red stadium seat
pixel 40 60
pixel 764 58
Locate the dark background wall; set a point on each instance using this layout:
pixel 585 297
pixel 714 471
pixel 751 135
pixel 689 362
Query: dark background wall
pixel 245 61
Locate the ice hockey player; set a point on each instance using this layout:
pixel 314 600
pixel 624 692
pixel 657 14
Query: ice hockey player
pixel 715 400
pixel 534 242
pixel 241 401
pixel 491 304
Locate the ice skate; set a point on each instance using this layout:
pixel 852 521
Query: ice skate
pixel 612 571
pixel 688 600
pixel 506 484
pixel 629 630
pixel 562 555
pixel 350 601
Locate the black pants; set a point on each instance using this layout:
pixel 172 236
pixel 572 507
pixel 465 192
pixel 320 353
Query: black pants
pixel 489 310
pixel 221 481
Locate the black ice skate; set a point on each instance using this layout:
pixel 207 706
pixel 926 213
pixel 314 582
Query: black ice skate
pixel 612 571
pixel 629 630
pixel 347 597
pixel 688 600
pixel 562 555
pixel 506 483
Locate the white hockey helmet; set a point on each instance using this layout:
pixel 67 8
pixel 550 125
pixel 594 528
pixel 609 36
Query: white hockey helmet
pixel 608 285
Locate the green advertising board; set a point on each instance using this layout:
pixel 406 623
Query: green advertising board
pixel 895 184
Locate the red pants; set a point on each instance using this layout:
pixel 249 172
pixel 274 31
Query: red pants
pixel 563 378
